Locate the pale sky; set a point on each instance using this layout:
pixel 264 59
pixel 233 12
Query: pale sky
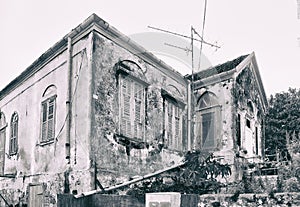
pixel 270 28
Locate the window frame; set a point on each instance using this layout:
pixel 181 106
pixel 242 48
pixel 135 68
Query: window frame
pixel 178 104
pixel 174 142
pixel 13 138
pixel 136 130
pixel 47 102
pixel 214 108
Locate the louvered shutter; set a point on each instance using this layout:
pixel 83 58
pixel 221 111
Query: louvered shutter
pixel 177 128
pixel 138 110
pixel 13 145
pixel 48 120
pixel 51 110
pixel 44 121
pixel 126 107
pixel 170 124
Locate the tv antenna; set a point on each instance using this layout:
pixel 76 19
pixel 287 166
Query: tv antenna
pixel 188 50
pixel 191 37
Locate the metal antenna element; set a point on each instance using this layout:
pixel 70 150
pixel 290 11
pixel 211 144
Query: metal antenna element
pixel 185 36
pixel 186 49
pixel 204 16
pixel 192 44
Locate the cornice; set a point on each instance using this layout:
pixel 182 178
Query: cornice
pixel 92 23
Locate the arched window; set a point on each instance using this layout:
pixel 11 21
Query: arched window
pixel 132 96
pixel 207 100
pixel 13 141
pixel 48 114
pixel 207 122
pixel 3 125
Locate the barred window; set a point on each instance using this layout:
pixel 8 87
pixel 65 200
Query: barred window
pixel 13 142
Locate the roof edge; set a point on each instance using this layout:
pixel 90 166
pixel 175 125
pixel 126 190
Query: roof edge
pixel 85 25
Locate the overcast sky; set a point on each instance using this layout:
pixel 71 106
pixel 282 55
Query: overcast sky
pixel 270 28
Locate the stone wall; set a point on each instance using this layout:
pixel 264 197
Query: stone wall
pixel 252 200
pixel 116 159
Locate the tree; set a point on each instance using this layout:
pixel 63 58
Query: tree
pixel 198 175
pixel 282 119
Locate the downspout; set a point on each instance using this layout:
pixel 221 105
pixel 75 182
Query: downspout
pixel 68 101
pixel 189 128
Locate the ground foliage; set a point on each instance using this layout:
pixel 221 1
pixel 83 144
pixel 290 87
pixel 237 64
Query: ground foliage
pixel 199 175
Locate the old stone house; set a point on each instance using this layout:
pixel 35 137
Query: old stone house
pixel 229 108
pixel 96 109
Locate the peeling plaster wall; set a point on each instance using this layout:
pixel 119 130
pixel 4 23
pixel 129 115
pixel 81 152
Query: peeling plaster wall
pixel 116 162
pixel 225 142
pixel 234 95
pixel 96 151
pixel 246 92
pixel 34 162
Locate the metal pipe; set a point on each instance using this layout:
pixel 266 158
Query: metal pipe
pixel 68 101
pixel 107 189
pixel 189 111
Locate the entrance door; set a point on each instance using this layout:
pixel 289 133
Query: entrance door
pixel 36 195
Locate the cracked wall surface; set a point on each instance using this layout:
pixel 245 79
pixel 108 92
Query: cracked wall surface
pixel 117 158
pixel 99 152
pixel 44 164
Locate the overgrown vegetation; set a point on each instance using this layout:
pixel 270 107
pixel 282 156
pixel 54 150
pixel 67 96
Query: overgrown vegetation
pixel 201 174
pixel 283 117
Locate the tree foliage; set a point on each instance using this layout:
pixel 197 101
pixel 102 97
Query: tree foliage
pixel 198 175
pixel 282 118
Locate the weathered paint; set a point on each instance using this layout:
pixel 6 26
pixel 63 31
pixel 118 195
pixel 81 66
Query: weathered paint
pixel 118 161
pixel 37 163
pixel 97 152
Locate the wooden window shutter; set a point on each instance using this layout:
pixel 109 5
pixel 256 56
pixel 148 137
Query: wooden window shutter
pixel 48 119
pixel 170 124
pixel 13 145
pixel 132 113
pixel 173 125
pixel 51 110
pixel 177 128
pixel 138 110
pixel 44 121
pixel 126 107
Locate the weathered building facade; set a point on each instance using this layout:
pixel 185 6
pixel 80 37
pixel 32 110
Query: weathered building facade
pixel 97 109
pixel 229 108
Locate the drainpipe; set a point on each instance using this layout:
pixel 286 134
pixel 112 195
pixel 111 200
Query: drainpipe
pixel 189 128
pixel 68 101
